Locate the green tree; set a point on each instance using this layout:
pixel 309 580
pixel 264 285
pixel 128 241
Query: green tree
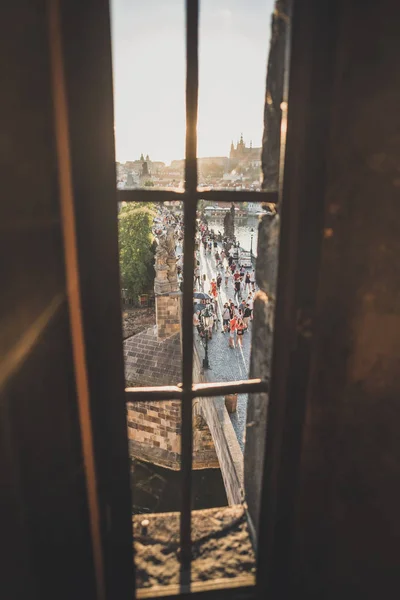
pixel 136 248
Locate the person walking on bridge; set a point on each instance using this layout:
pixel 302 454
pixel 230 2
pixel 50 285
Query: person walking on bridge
pixel 197 277
pixel 250 304
pixel 247 315
pixel 237 294
pixel 240 332
pixel 227 276
pixel 247 282
pixel 196 321
pixel 226 316
pixel 232 332
pixel 213 288
pixel 253 280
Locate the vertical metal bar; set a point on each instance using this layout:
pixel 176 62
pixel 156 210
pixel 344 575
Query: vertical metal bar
pixel 192 15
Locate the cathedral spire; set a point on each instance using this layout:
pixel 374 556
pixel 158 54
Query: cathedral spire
pixel 241 139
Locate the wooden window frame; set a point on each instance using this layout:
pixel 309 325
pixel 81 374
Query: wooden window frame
pixel 85 33
pixel 72 18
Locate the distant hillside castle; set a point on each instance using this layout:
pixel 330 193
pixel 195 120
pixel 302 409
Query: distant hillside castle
pixel 143 171
pixel 242 153
pixel 137 166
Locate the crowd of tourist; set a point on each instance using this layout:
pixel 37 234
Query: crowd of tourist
pixel 232 317
pixel 235 315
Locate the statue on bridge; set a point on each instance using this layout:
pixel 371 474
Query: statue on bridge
pixel 229 225
pixel 171 260
pixel 166 279
pixel 170 241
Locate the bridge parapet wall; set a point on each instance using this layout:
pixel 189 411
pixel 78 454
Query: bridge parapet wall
pixel 154 433
pixel 226 445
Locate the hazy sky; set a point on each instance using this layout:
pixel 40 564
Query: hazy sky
pixel 149 75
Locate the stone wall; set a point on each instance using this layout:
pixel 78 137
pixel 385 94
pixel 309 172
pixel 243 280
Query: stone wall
pixel 230 457
pixel 267 263
pixel 204 453
pixel 168 314
pixel 154 432
pixel 226 446
pixel 274 95
pixel 260 360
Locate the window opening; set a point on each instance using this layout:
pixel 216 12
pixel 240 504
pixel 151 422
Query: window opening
pixel 148 41
pixel 182 222
pixel 232 63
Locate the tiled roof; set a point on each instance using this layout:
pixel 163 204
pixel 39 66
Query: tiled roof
pixel 149 361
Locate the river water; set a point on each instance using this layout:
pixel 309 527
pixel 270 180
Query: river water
pixel 243 229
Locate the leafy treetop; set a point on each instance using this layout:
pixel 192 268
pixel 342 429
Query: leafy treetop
pixel 136 248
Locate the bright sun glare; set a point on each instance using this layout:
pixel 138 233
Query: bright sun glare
pixel 149 75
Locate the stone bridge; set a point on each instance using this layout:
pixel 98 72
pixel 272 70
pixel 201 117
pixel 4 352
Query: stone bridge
pixel 227 449
pixel 154 427
pixel 153 358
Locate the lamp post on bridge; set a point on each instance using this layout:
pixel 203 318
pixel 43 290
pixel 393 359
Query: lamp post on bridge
pixel 206 323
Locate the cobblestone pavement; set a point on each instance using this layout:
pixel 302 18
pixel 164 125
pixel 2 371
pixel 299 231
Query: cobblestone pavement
pixel 226 363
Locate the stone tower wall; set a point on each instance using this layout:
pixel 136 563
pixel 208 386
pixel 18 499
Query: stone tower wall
pixel 154 433
pixel 168 314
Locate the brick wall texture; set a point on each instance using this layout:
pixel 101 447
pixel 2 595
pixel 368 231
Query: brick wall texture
pixel 154 433
pixel 168 315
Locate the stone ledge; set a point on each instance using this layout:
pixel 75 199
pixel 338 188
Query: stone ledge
pixel 223 556
pixel 230 456
pixel 148 452
pixel 175 294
